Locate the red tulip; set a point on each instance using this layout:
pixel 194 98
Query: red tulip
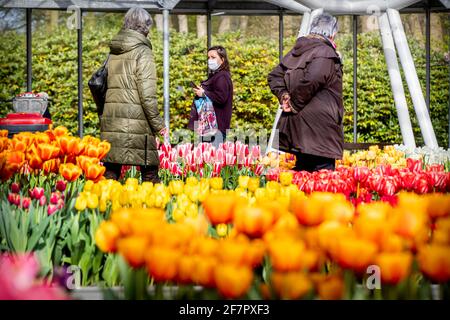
pixel 61 185
pixel 414 165
pixel 36 192
pixel 14 198
pixel 26 202
pixel 15 187
pixel 42 201
pixel 360 174
pixel 421 186
pixel 52 208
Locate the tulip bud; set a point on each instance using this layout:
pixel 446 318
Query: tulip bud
pixel 54 197
pixel 26 202
pixel 61 185
pixel 42 201
pixel 52 208
pixel 15 187
pixel 36 192
pixel 60 204
pixel 14 198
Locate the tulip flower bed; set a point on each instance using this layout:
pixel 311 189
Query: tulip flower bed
pixel 226 222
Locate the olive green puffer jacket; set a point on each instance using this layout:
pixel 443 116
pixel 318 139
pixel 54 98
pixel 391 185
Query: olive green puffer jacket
pixel 131 118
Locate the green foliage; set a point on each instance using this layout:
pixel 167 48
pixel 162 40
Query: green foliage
pixel 251 58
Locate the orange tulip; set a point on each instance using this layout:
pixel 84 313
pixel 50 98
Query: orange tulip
pixel 41 137
pixel 371 229
pixel 93 151
pixel 48 151
pixel 219 208
pixel 355 254
pixel 4 143
pixel 33 158
pixel 407 222
pixel 69 171
pixel 231 251
pixel 434 262
pixel 79 147
pixel 18 145
pixel 26 137
pixel 291 285
pixel 106 236
pixel 204 271
pixel 394 267
pixel 51 165
pixel 104 147
pixel 286 254
pixel 3 133
pixel 68 144
pixel 84 162
pixel 233 281
pixel 342 211
pixel 133 250
pixel 438 205
pixel 94 172
pixel 162 263
pixel 309 211
pixel 60 131
pixel 14 160
pixel 122 218
pixel 253 221
pixel 330 287
pixel 186 267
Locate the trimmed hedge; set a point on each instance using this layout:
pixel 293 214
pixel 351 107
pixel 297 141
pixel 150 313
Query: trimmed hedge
pixel 55 72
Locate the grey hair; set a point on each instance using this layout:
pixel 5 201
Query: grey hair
pixel 324 24
pixel 138 19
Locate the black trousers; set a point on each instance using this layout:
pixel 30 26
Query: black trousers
pixel 310 163
pixel 148 173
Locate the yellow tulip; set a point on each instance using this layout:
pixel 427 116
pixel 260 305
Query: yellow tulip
pixel 191 181
pixel 176 187
pixel 286 178
pixel 243 181
pixel 132 182
pixel 222 229
pixel 178 215
pixel 88 185
pixel 192 210
pixel 216 183
pixel 102 205
pixel 81 203
pixel 92 201
pixel 150 201
pixel 253 184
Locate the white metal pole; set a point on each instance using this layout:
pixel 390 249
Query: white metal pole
pixel 304 25
pixel 412 79
pixel 396 82
pixel 166 93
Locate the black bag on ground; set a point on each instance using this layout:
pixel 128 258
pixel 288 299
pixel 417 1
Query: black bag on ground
pixel 98 86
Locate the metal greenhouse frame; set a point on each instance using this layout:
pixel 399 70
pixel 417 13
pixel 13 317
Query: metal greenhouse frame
pixel 392 33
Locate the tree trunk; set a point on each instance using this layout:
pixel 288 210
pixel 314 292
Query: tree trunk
pixel 437 29
pixel 369 23
pixel 415 26
pixel 345 24
pixel 201 26
pixel 243 23
pixel 53 16
pixel 183 23
pixel 225 24
pixel 159 22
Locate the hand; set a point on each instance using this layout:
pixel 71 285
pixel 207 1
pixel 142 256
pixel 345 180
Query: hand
pixel 286 102
pixel 199 91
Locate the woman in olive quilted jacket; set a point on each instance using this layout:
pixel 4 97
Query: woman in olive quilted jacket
pixel 131 119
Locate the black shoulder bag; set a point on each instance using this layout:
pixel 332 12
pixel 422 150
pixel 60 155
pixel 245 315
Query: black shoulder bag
pixel 98 86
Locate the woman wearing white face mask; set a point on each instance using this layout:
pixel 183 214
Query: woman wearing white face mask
pixel 219 88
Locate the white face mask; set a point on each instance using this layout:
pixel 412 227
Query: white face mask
pixel 213 64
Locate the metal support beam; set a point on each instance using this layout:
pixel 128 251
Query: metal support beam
pixel 166 93
pixel 412 79
pixel 355 78
pixel 427 53
pixel 396 82
pixel 280 35
pixel 208 29
pixel 304 25
pixel 29 51
pixel 80 72
pixel 448 18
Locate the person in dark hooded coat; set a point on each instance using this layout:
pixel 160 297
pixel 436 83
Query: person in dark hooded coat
pixel 308 85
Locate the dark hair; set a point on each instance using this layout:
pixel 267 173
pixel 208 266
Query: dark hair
pixel 223 54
